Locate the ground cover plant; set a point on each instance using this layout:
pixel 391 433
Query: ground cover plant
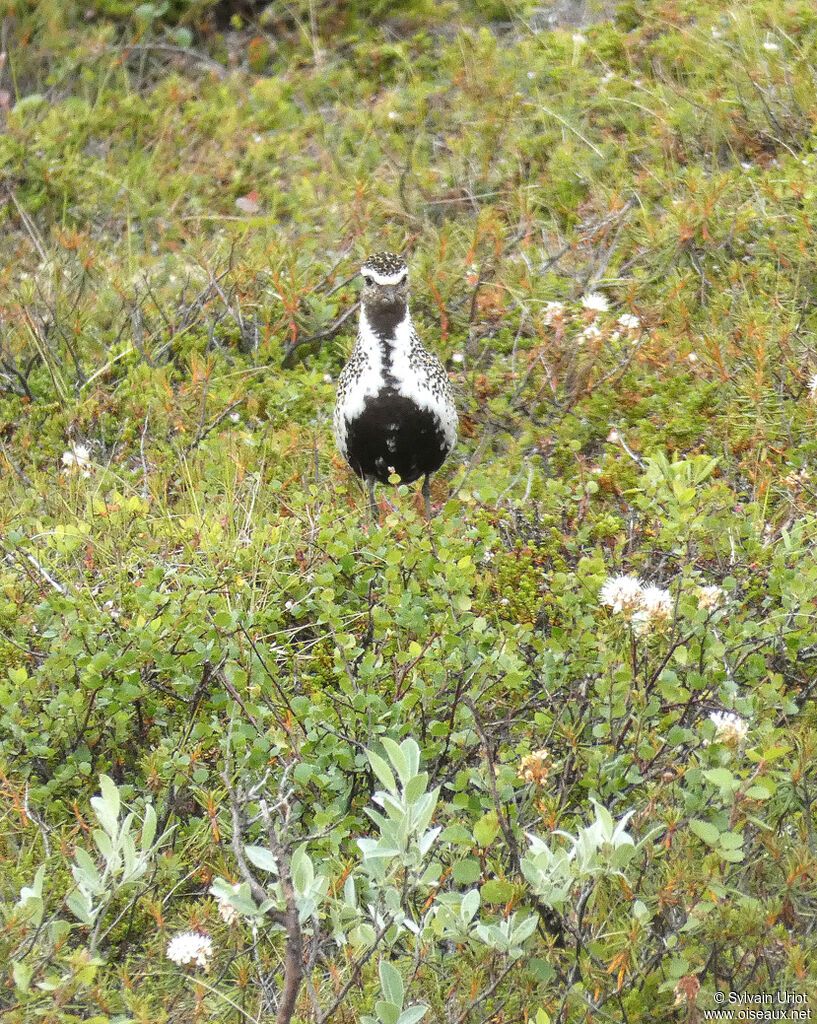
pixel 549 757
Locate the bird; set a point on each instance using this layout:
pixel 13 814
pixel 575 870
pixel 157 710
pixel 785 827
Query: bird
pixel 395 409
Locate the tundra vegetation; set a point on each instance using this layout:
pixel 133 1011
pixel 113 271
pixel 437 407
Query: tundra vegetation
pixel 549 757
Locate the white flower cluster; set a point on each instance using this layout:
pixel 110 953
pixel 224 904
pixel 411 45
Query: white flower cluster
pixel 596 302
pixel 730 728
pixel 812 388
pixel 553 311
pixel 648 606
pixel 629 321
pixel 645 606
pixel 711 597
pixel 655 609
pixel 592 304
pixel 190 948
pixel 590 333
pixel 78 459
pixel 622 593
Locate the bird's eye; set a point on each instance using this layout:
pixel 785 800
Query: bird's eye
pixel 366 277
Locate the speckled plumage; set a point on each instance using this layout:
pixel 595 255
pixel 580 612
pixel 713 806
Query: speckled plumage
pixel 395 409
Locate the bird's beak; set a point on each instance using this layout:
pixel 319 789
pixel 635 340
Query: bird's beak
pixel 389 294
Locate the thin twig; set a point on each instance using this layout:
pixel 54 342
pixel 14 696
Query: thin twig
pixel 32 561
pixel 14 466
pixel 259 893
pixel 356 966
pixel 486 993
pixel 29 225
pixel 208 430
pixel 504 824
pixel 328 332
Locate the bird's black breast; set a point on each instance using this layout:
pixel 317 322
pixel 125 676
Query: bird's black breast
pixel 394 433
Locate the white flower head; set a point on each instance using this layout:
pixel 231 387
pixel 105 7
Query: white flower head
pixel 78 459
pixel 590 333
pixel 190 948
pixel 596 302
pixel 553 311
pixel 656 603
pixel 730 728
pixel 622 593
pixel 457 357
pixel 654 610
pixel 711 597
pixel 770 45
pixel 812 390
pixel 629 322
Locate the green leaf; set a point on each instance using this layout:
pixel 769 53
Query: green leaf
pixel 776 752
pixel 703 830
pixel 722 778
pixel 458 834
pixel 392 983
pixel 467 871
pixel 415 788
pixel 382 771
pixel 81 907
pixel 22 973
pixel 486 829
pixel 469 905
pixel 387 1012
pixel 541 970
pixel 102 841
pixel 148 828
pixel 730 840
pixel 106 807
pixel 497 891
pixel 412 1014
pixel 301 870
pixel 86 867
pixel 261 857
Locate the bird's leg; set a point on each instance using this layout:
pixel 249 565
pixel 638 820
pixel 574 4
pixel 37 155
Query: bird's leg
pixel 427 499
pixel 372 500
pixel 427 496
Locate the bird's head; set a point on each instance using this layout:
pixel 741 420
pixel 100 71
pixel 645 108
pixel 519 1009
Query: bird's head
pixel 385 286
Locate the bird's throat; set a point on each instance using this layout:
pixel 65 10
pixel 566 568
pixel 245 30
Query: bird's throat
pixel 383 319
